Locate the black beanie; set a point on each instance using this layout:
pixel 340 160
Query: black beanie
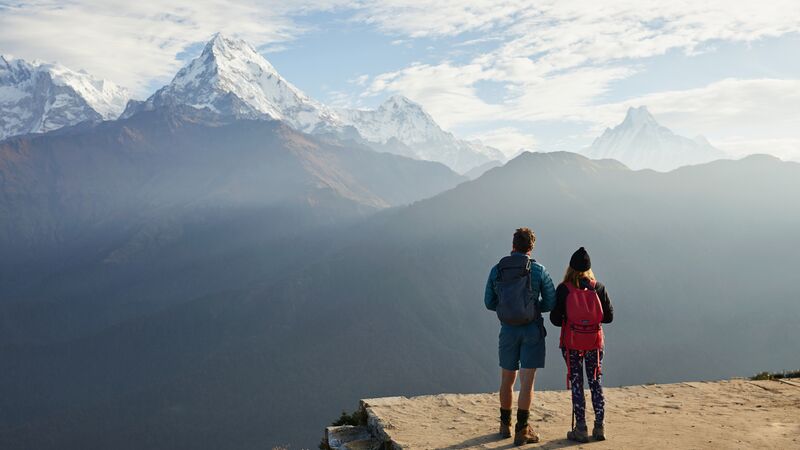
pixel 580 260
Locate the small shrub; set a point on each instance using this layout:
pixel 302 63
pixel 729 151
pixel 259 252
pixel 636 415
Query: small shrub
pixel 355 419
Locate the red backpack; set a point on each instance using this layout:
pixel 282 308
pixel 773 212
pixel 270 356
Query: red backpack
pixel 581 329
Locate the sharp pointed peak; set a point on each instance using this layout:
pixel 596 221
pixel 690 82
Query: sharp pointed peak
pixel 638 111
pixel 399 99
pixel 223 50
pixel 638 116
pixel 223 41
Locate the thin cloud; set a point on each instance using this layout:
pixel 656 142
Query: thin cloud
pixel 560 58
pixel 557 59
pixel 134 43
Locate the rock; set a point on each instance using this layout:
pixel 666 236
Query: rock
pixel 348 437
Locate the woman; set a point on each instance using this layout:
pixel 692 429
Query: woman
pixel 582 304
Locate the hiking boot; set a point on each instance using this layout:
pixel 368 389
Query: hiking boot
pixel 579 434
pixel 599 432
pixel 526 436
pixel 505 430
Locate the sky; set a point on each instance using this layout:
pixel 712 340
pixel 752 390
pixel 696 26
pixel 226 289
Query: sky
pixel 537 75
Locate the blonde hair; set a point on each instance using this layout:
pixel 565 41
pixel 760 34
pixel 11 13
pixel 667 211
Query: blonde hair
pixel 574 276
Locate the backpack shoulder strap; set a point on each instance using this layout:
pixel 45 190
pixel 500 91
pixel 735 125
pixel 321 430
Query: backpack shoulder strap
pixel 528 271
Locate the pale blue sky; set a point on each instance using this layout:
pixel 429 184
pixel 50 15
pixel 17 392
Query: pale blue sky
pixel 540 75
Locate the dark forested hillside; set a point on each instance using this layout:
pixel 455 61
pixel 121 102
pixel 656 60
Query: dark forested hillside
pixel 392 305
pixel 95 216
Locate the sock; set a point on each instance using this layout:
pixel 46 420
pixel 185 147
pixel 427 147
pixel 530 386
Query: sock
pixel 522 418
pixel 505 416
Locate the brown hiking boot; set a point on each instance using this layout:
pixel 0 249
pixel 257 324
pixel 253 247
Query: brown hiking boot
pixel 526 436
pixel 599 432
pixel 579 434
pixel 505 430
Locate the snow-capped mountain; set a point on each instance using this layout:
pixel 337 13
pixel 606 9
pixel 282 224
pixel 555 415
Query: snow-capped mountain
pixel 230 77
pixel 36 97
pixel 642 143
pixel 401 126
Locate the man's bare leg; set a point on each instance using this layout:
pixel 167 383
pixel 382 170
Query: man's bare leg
pixel 507 379
pixel 524 434
pixel 526 379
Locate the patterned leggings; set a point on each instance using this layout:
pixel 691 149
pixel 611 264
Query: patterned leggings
pixel 593 363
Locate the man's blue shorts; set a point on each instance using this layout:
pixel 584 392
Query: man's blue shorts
pixel 522 345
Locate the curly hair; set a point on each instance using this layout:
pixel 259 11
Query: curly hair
pixel 524 239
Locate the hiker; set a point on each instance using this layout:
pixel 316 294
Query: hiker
pixel 513 290
pixel 582 305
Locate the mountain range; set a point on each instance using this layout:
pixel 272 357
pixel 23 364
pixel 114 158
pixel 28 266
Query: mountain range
pixel 228 78
pixel 231 78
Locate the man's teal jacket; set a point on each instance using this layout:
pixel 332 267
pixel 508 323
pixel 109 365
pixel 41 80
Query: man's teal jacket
pixel 541 284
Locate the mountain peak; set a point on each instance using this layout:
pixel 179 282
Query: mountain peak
pixel 229 52
pixel 231 78
pixel 639 116
pixel 641 143
pixel 403 121
pixel 400 101
pixel 219 39
pixel 217 42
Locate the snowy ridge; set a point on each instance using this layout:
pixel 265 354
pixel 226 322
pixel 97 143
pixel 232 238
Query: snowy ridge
pixel 36 97
pixel 230 77
pixel 642 143
pixel 399 118
pixel 401 126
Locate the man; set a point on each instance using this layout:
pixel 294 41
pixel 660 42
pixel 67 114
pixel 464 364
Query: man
pixel 519 289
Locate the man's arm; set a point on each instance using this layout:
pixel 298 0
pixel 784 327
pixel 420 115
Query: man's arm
pixel 548 301
pixel 489 295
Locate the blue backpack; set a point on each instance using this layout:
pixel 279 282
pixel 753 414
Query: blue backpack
pixel 516 305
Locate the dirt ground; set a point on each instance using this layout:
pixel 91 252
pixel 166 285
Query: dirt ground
pixel 727 414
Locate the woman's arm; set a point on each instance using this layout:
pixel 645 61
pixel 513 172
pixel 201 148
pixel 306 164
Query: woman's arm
pixel 558 313
pixel 605 302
